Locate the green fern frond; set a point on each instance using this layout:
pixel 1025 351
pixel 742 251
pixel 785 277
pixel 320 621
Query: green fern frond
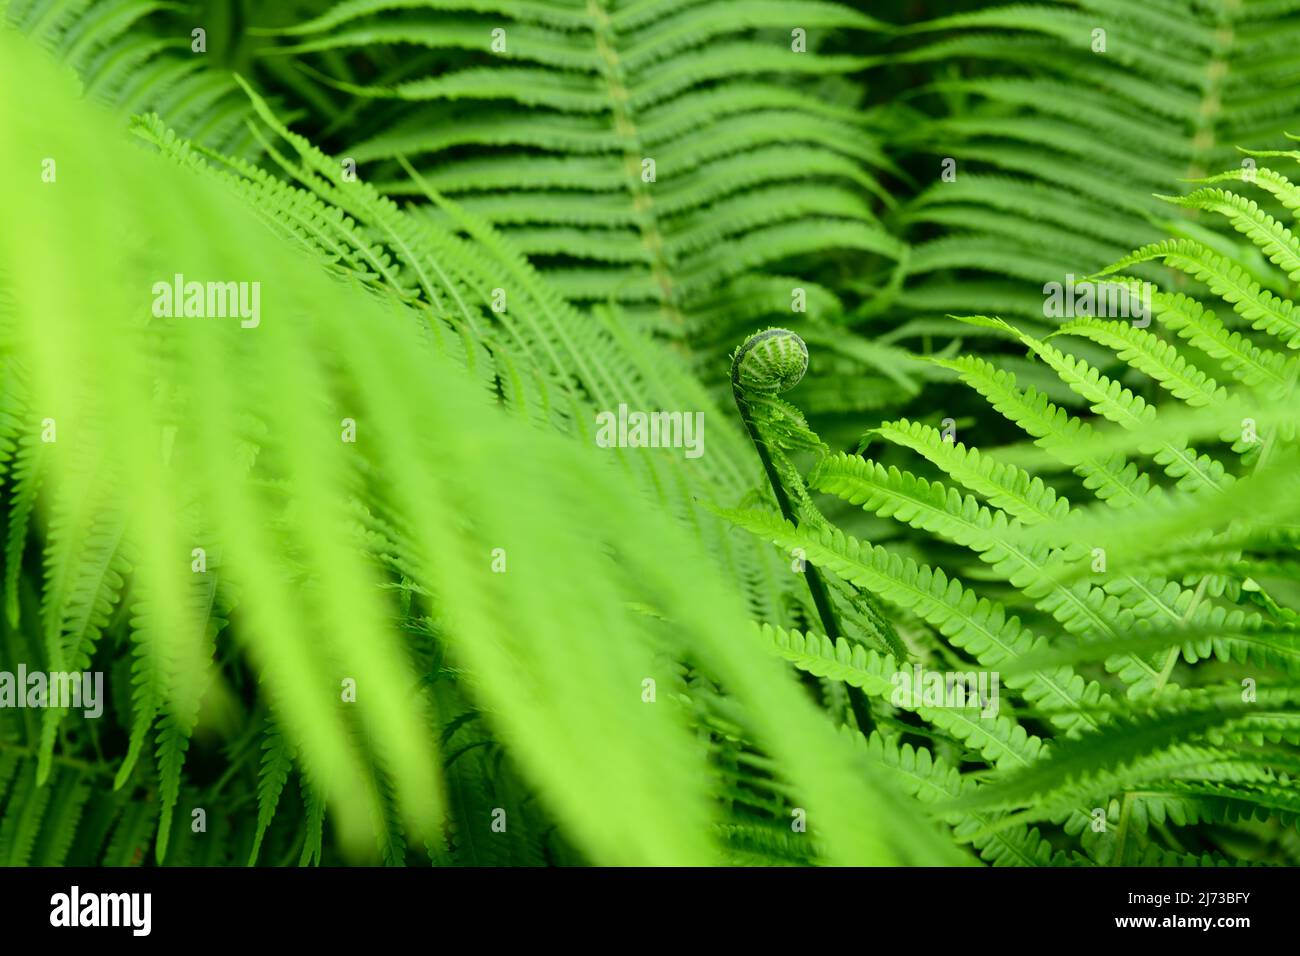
pixel 1264 310
pixel 1043 114
pixel 974 624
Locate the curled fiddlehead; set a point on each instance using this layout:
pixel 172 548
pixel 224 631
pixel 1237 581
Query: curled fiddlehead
pixel 771 361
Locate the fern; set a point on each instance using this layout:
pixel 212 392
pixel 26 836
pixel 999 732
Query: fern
pixel 1046 133
pixel 662 157
pixel 142 55
pixel 302 632
pixel 363 582
pixel 1158 752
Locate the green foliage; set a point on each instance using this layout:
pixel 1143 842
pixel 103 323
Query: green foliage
pixel 325 575
pixel 1064 119
pixel 1186 743
pixel 363 580
pixel 662 155
pixel 140 55
pixel 695 167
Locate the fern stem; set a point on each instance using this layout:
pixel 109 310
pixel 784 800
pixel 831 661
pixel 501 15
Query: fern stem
pixel 83 765
pixel 625 127
pixel 816 586
pixel 1121 830
pixel 820 596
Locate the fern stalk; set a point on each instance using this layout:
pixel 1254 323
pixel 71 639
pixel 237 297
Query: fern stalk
pixel 778 365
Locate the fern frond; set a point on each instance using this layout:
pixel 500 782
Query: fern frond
pixel 1273 238
pixel 1264 310
pixel 974 624
pixel 710 93
pixel 998 740
pixel 1116 403
pixel 1152 356
pixel 277 763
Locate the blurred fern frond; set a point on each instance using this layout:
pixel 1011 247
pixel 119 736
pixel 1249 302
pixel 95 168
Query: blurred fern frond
pixel 333 479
